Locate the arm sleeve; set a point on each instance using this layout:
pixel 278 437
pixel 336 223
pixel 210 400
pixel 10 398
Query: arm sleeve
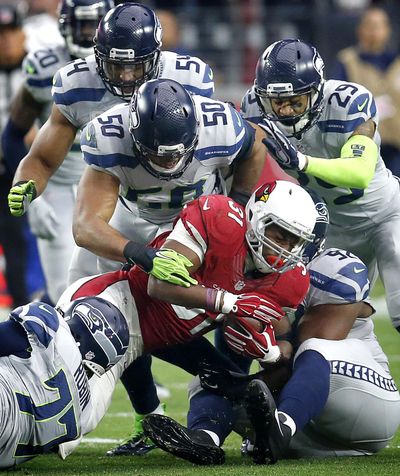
pixel 354 168
pixel 13 338
pixel 13 145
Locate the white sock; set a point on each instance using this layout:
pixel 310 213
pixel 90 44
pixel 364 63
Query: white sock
pixel 213 435
pixel 159 410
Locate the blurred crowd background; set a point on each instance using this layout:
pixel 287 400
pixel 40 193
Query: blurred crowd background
pixel 359 41
pixel 231 34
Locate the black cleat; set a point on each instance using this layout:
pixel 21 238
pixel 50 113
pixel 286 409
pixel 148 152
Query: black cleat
pixel 137 445
pixel 195 446
pixel 272 435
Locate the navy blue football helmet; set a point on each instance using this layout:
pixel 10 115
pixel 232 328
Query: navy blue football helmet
pixel 78 20
pixel 164 127
pixel 127 48
pixel 320 230
pixel 290 68
pixel 100 330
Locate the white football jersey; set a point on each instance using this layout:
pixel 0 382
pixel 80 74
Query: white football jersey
pixel 107 145
pixel 39 67
pixel 345 106
pixel 339 277
pixel 44 392
pixel 81 95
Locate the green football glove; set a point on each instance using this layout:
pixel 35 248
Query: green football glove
pixel 168 265
pixel 164 264
pixel 20 197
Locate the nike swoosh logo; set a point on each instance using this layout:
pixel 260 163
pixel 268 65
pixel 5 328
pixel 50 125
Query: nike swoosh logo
pixel 360 107
pixel 43 308
pixel 358 270
pixel 205 206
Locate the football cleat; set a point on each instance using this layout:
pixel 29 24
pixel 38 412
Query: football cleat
pixel 222 381
pixel 272 436
pixel 195 446
pixel 136 444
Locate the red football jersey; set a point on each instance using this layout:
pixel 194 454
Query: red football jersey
pixel 221 224
pixel 218 224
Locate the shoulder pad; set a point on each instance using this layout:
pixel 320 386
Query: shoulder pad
pixel 193 73
pixel 338 276
pixel 39 68
pixel 222 132
pixel 40 321
pixel 350 105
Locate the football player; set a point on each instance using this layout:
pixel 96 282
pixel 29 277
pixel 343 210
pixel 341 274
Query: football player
pixel 325 133
pixel 340 400
pixel 256 275
pixel 127 52
pixel 50 216
pixel 50 368
pixel 149 158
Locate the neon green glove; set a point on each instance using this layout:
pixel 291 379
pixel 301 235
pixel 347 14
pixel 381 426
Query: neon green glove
pixel 168 265
pixel 20 197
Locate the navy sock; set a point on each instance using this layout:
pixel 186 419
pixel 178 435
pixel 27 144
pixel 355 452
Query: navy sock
pixel 306 393
pixel 138 382
pixel 211 412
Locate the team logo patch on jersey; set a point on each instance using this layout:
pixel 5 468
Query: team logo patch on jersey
pixel 90 138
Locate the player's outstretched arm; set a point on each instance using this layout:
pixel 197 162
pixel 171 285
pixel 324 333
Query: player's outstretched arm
pixel 353 169
pixel 95 204
pixel 331 321
pixel 24 110
pixel 48 151
pixel 248 170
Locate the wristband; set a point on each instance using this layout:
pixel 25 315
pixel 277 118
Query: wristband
pixel 228 302
pixel 142 255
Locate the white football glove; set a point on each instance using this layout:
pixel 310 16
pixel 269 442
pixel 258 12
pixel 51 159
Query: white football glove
pixel 42 219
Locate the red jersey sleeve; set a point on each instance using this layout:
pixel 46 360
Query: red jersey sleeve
pixel 215 221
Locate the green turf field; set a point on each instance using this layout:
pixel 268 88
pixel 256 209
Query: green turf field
pixel 90 457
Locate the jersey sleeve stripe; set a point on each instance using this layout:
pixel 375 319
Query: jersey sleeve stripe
pixel 109 160
pixel 40 83
pixel 78 95
pixel 216 152
pixel 340 127
pixel 206 92
pixel 332 286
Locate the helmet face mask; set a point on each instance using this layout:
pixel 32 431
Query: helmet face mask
pixel 100 330
pixel 164 128
pixel 283 206
pixel 78 20
pixel 287 70
pixel 127 48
